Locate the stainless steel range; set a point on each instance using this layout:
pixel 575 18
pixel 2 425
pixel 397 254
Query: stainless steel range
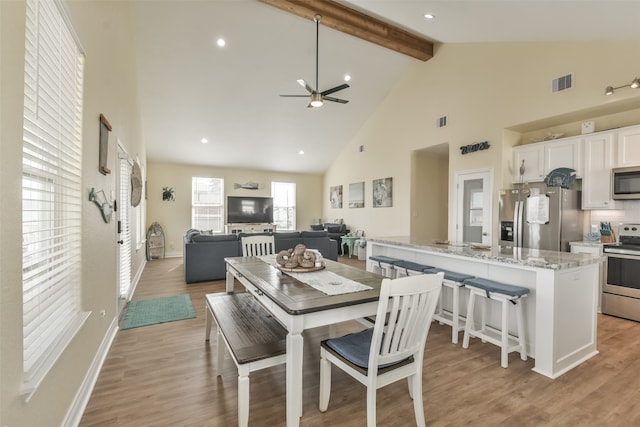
pixel 621 292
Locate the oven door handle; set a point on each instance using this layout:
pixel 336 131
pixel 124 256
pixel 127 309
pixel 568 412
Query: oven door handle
pixel 623 256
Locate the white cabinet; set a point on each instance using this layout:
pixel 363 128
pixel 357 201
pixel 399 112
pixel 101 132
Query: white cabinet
pixel 563 154
pixel 530 159
pixel 250 228
pixel 599 157
pixel 543 157
pixel 629 147
pixel 594 249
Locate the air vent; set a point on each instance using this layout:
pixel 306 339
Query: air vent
pixel 441 122
pixel 562 83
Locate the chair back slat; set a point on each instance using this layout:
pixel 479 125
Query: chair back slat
pixel 258 245
pixel 410 303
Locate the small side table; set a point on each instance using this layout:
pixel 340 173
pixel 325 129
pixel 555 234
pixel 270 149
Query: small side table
pixel 349 240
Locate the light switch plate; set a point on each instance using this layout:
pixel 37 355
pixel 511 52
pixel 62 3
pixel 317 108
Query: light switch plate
pixel 588 127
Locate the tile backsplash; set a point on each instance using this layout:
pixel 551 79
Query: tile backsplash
pixel 630 213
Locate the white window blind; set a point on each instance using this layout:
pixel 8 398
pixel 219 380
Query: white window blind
pixel 284 205
pixel 51 188
pixel 207 204
pixel 124 203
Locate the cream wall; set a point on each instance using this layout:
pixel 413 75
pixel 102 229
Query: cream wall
pixel 175 217
pixel 104 29
pixel 486 91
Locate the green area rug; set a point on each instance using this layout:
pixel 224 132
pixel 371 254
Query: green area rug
pixel 157 310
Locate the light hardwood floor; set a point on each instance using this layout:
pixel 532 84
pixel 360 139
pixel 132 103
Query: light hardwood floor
pixel 163 375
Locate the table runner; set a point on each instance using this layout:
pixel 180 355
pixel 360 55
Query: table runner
pixel 325 281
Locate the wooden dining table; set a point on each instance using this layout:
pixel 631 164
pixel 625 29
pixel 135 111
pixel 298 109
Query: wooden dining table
pixel 299 306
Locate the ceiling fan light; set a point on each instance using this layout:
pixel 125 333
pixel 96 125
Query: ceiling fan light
pixel 635 83
pixel 316 100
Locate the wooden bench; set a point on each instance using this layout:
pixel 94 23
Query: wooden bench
pixel 253 337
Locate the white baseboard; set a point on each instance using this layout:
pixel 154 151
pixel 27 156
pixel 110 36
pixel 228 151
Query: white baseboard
pixel 74 415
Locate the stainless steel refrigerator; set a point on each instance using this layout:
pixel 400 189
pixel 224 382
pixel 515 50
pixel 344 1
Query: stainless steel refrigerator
pixel 540 218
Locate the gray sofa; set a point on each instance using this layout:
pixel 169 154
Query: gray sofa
pixel 204 254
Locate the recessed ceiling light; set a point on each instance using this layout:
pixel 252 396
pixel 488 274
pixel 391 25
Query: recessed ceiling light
pixel 221 42
pixel 204 140
pixel 429 15
pixel 347 77
pixel 301 152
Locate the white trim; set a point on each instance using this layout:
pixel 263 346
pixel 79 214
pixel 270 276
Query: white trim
pixel 81 399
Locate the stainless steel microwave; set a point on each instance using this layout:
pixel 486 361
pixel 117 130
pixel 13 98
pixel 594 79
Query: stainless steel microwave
pixel 625 183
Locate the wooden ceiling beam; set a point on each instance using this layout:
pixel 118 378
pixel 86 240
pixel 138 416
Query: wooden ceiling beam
pixel 355 23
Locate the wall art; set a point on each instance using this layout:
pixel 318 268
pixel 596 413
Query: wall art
pixel 383 193
pixel 335 196
pixel 356 195
pixel 168 194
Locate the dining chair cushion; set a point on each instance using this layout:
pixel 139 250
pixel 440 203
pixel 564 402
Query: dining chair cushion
pixel 355 348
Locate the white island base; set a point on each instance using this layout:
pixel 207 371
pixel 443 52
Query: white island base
pixel 560 311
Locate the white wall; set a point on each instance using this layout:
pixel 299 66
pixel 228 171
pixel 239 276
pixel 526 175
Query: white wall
pixel 489 92
pixel 104 29
pixel 175 217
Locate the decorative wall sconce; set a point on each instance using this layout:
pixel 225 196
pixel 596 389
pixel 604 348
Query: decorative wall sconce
pixel 633 85
pixel 106 208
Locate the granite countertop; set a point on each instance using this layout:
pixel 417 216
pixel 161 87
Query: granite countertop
pixel 526 257
pixel 592 243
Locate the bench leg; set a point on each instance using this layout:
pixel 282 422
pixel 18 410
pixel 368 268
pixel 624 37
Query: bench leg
pixel 220 353
pixel 243 396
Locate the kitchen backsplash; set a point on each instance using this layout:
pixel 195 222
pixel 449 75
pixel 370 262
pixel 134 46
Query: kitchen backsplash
pixel 629 214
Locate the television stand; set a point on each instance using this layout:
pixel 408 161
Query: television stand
pixel 261 227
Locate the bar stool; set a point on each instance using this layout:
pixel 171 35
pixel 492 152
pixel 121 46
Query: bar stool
pixel 454 281
pixel 505 294
pixel 384 265
pixel 408 268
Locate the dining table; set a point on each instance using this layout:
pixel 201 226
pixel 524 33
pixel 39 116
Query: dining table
pixel 300 302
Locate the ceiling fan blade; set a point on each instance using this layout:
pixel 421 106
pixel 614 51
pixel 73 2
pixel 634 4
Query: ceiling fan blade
pixel 334 89
pixel 305 85
pixel 330 98
pixel 294 96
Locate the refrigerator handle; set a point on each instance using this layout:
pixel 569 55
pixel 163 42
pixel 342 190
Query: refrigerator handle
pixel 518 224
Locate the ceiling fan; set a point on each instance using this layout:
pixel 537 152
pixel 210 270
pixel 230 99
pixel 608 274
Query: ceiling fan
pixel 317 98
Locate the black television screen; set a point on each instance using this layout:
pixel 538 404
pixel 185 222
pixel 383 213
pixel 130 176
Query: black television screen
pixel 249 209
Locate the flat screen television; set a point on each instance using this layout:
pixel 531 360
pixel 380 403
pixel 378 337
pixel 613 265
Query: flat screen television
pixel 241 209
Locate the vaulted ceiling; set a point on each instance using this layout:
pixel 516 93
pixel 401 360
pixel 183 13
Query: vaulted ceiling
pixel 190 88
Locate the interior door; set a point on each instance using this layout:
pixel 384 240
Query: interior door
pixel 473 211
pixel 124 226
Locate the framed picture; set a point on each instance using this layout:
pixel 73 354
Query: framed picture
pixel 356 195
pixel 383 193
pixel 103 150
pixel 168 194
pixel 335 196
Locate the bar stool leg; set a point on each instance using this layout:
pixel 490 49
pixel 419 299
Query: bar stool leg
pixel 470 322
pixel 521 336
pixel 504 353
pixel 455 313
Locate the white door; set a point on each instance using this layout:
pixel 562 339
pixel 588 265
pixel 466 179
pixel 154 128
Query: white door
pixel 473 206
pixel 124 225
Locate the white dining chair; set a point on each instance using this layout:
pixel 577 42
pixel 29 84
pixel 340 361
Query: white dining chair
pixel 258 245
pixel 388 352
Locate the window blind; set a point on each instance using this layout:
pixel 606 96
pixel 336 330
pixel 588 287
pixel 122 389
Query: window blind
pixel 124 204
pixel 51 187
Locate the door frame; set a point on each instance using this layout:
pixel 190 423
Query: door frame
pixel 460 177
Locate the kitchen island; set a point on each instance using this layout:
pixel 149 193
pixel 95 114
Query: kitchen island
pixel 560 311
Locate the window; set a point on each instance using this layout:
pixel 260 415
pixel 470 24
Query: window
pixel 284 205
pixel 207 204
pixel 52 193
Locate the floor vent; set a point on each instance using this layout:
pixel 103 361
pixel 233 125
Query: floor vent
pixel 562 83
pixel 441 122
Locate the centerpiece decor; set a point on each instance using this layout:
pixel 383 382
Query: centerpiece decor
pixel 299 259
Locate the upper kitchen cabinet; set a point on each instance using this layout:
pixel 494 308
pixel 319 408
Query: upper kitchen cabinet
pixel 564 153
pixel 599 157
pixel 543 157
pixel 528 163
pixel 628 147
